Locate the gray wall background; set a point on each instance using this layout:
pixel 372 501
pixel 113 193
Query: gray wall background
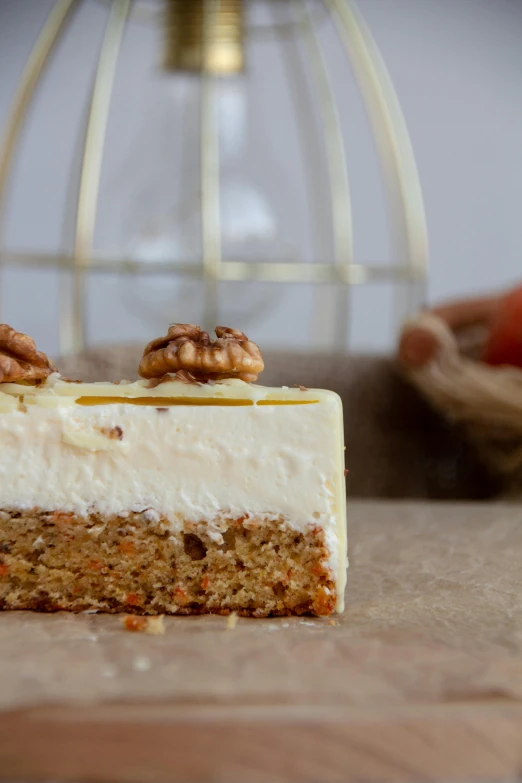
pixel 457 69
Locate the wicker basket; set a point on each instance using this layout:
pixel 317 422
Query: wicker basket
pixel 439 353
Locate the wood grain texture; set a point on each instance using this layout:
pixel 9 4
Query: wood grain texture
pixel 420 679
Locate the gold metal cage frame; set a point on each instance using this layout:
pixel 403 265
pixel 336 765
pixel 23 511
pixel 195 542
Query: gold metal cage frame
pixel 388 126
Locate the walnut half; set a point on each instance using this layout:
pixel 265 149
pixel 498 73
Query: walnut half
pixel 187 347
pixel 19 359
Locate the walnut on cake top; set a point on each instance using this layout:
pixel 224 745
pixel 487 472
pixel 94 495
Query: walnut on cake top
pixel 187 348
pixel 19 359
pixel 185 353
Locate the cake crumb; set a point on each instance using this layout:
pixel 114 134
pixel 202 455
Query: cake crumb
pixel 152 625
pixel 231 621
pixel 301 388
pixel 332 622
pixel 113 433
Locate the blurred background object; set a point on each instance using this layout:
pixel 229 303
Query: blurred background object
pixel 456 68
pixel 238 161
pixel 465 358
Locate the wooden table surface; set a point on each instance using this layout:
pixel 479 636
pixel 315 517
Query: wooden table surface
pixel 420 679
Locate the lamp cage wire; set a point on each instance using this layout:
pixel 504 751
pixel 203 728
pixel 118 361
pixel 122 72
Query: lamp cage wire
pixel 223 27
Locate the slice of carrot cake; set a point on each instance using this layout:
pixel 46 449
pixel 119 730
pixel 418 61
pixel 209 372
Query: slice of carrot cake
pixel 190 491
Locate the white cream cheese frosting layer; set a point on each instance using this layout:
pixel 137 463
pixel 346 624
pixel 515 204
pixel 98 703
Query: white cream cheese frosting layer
pixel 182 461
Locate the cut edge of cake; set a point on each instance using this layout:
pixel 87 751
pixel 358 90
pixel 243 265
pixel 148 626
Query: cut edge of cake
pixel 176 497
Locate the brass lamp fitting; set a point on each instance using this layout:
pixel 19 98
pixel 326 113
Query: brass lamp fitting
pixel 204 36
